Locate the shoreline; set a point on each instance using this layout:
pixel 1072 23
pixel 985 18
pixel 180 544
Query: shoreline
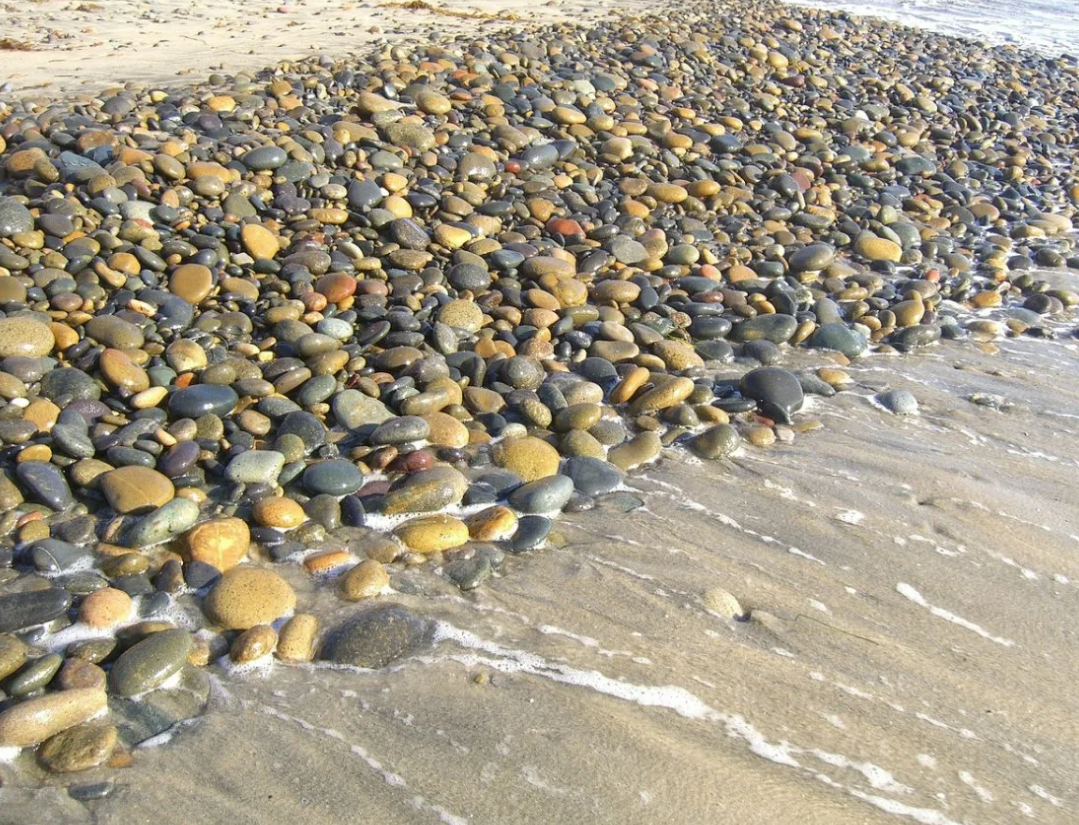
pixel 851 607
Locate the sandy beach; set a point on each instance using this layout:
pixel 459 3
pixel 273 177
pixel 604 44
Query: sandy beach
pixel 908 656
pixel 866 619
pixel 82 47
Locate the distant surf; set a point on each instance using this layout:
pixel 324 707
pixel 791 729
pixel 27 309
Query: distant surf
pixel 1049 27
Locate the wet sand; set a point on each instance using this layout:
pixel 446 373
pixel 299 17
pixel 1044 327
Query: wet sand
pixel 911 584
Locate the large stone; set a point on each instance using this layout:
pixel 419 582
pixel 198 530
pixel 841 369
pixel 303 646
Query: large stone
pixel 377 637
pixel 425 491
pixel 246 596
pixel 26 337
pixel 777 392
pixel 136 489
pixel 79 748
pixel 30 608
pixel 433 534
pixel 14 218
pixel 33 721
pixel 529 457
pixel 219 542
pixel 150 663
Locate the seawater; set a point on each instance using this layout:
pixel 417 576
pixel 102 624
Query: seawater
pixel 1049 27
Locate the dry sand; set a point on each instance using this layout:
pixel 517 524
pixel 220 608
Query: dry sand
pixel 913 582
pixel 81 45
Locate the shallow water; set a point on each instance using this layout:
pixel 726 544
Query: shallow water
pixel 1050 27
pixel 910 656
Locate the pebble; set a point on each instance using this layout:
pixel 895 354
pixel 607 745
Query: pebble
pixel 19 611
pixel 25 338
pixel 898 402
pixel 278 511
pixel 105 608
pixel 246 596
pixel 364 581
pixel 433 534
pixel 34 720
pixel 336 477
pixel 716 442
pixel 255 467
pixel 149 663
pixel 135 489
pixel 376 637
pixel 12 655
pixel 297 640
pixel 425 491
pixel 546 495
pixel 221 542
pixel 79 748
pixel 778 393
pixel 529 457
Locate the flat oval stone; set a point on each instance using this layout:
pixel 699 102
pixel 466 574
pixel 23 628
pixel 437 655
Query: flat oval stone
pixel 425 492
pixel 265 158
pixel 14 218
pixel 433 534
pixel 898 402
pixel 776 391
pixel 716 442
pixel 812 258
pixel 545 495
pixel 168 520
pixel 593 476
pixel 777 328
pixel 79 748
pixel 532 531
pixel 203 399
pixel 150 662
pixel 246 596
pixel 529 457
pixel 353 409
pixel 376 638
pixel 12 655
pixel 45 483
pixel 401 430
pixel 33 721
pixel 135 489
pixel 255 467
pixel 25 337
pixel 335 477
pixel 30 608
pixel 110 331
pixel 220 542
pixel 840 338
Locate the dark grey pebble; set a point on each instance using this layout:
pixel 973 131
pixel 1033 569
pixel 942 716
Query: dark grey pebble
pixel 376 638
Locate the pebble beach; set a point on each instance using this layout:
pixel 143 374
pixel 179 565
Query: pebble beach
pixel 613 414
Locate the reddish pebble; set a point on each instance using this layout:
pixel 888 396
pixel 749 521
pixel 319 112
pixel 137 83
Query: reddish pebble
pixel 336 286
pixel 413 462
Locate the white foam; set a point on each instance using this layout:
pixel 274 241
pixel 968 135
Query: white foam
pixel 157 741
pixel 877 776
pixel 913 595
pixel 850 517
pixel 689 706
pixel 1042 793
pixel 8 754
pixel 260 668
pixel 984 794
